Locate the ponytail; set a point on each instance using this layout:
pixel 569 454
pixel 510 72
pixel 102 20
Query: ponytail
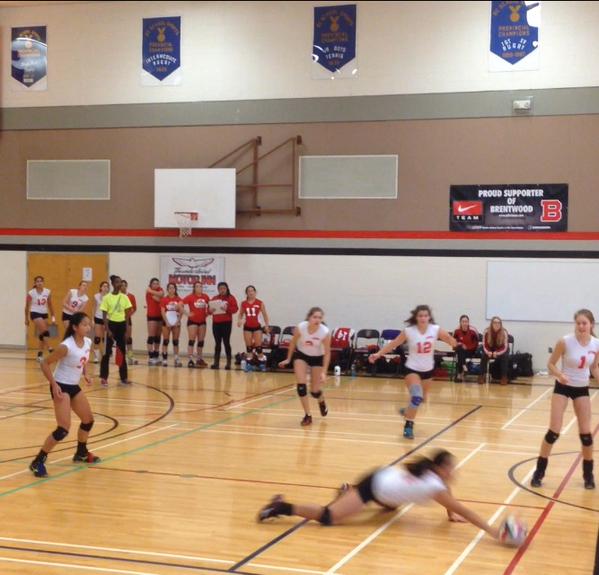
pixel 420 466
pixel 75 320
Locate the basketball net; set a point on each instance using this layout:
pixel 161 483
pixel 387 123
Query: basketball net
pixel 185 222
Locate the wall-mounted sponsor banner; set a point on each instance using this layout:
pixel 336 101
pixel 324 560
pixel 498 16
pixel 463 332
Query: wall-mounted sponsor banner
pixel 334 47
pixel 509 207
pixel 161 51
pixel 515 29
pixel 29 55
pixel 185 269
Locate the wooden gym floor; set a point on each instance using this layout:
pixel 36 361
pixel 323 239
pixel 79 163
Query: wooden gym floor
pixel 190 456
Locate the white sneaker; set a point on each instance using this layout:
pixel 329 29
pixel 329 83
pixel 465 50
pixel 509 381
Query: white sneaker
pixel 164 363
pixel 178 362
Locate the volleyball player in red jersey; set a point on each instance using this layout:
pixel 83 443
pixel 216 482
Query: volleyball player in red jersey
pixel 197 302
pixel 222 307
pixel 171 306
pixel 250 311
pixel 154 294
pixel 129 333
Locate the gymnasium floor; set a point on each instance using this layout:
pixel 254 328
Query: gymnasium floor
pixel 190 456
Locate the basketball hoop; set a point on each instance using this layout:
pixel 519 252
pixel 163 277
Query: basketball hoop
pixel 186 222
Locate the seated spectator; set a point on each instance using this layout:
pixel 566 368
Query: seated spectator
pixel 495 346
pixel 467 338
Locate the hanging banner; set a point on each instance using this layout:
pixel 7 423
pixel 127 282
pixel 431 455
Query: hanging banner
pixel 334 47
pixel 29 54
pixel 511 207
pixel 161 51
pixel 515 29
pixel 185 269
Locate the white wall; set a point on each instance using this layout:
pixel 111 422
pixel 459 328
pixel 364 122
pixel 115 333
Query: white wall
pixel 12 327
pixel 261 50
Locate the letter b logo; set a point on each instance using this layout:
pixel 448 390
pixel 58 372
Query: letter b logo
pixel 552 211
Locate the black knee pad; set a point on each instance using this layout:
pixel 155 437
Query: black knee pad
pixel 87 426
pixel 325 518
pixel 129 341
pixel 302 389
pixel 150 340
pixel 201 343
pixel 316 394
pixel 60 433
pixel 97 340
pixel 259 350
pixel 191 343
pixel 175 342
pixel 46 334
pixel 40 337
pixel 586 439
pixel 165 342
pixel 551 437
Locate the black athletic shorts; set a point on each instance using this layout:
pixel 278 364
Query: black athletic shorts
pixel 311 360
pixel 252 329
pixel 72 390
pixel 422 374
pixel 36 315
pixel 66 316
pixel 191 322
pixel 98 321
pixel 155 318
pixel 571 391
pixel 364 487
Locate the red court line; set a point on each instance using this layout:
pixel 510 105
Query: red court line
pixel 305 234
pixel 539 523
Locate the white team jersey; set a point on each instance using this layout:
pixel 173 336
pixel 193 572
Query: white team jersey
pixel 70 367
pixel 577 360
pixel 75 302
pixel 421 347
pixel 312 343
pixel 98 302
pixel 393 486
pixel 39 301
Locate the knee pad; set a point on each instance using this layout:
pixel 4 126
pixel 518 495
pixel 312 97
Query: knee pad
pixel 40 337
pixel 316 394
pixel 46 333
pixel 60 433
pixel 259 350
pixel 165 342
pixel 150 340
pixel 97 340
pixel 586 439
pixel 325 518
pixel 191 343
pixel 176 342
pixel 551 437
pixel 302 389
pixel 129 341
pixel 249 349
pixel 87 426
pixel 201 343
pixel 416 395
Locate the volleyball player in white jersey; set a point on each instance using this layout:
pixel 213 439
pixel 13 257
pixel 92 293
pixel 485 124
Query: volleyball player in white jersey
pixel 37 305
pixel 579 353
pixel 390 487
pixel 421 335
pixel 99 329
pixel 310 349
pixel 71 357
pixel 75 300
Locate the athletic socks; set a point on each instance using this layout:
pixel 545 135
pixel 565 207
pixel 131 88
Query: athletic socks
pixel 40 457
pixel 542 466
pixel 81 449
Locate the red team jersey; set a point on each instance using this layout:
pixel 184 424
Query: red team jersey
pixel 198 307
pixel 153 306
pixel 170 303
pixel 133 303
pixel 251 312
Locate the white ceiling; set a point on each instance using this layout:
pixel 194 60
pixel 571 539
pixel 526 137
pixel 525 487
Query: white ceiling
pixel 9 4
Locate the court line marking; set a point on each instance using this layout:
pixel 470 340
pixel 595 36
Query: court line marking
pixel 525 409
pixel 95 449
pixel 76 566
pixel 286 389
pixel 349 556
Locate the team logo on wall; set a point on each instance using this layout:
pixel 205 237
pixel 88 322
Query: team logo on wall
pixel 334 36
pixel 509 207
pixel 161 50
pixel 29 57
pixel 514 35
pixel 185 270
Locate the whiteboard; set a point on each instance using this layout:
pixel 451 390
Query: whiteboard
pixel 209 191
pixel 541 290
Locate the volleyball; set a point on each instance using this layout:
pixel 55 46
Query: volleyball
pixel 513 531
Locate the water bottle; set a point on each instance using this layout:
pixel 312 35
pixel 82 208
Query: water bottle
pixel 354 371
pixel 337 370
pixel 244 365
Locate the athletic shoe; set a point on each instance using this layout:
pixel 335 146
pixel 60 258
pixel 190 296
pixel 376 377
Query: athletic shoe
pixel 89 457
pixel 408 432
pixel 201 363
pixel 125 382
pixel 190 363
pixel 164 363
pixel 214 366
pixel 131 361
pixel 262 366
pixel 537 480
pixel 323 408
pixel 306 421
pixel 104 382
pixel 272 509
pixel 458 379
pixel 40 358
pixel 38 468
pixel 589 482
pixel 228 365
pixel 178 363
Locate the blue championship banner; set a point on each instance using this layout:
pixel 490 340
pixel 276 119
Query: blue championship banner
pixel 334 36
pixel 161 49
pixel 514 36
pixel 29 57
pixel 509 207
